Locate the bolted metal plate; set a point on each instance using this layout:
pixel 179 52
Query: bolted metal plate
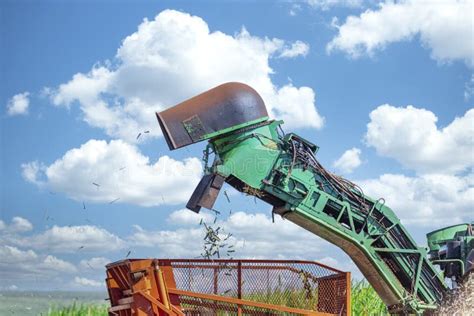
pixel 194 127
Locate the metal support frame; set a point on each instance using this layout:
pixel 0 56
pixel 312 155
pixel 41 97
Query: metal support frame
pixel 372 238
pixel 178 287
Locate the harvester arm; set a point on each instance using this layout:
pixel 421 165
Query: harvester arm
pixel 253 155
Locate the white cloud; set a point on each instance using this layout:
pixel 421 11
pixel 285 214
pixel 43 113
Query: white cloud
pixel 469 89
pixel 445 27
pixel 88 282
pixel 297 48
pixel 30 171
pixel 327 4
pixel 343 264
pixel 26 260
pixel 169 243
pixel 55 264
pixel 254 236
pixel 349 160
pixel 410 135
pixel 286 99
pixel 96 263
pixel 10 254
pixel 17 225
pixel 294 9
pixel 84 88
pixel 20 224
pixel 442 190
pixel 185 217
pixel 120 172
pixel 72 239
pixel 18 104
pixel 427 200
pixel 323 5
pixel 172 58
pixel 17 264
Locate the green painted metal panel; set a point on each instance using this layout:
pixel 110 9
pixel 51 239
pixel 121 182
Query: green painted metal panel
pixel 262 159
pixel 282 170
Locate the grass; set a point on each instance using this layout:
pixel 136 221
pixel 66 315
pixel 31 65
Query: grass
pixel 79 310
pixel 365 301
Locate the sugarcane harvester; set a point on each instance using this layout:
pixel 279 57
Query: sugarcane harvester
pixel 254 155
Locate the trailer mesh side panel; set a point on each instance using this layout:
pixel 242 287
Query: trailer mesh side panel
pixel 295 284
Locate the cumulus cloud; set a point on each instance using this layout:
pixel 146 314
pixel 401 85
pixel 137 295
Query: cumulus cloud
pixel 23 254
pixel 30 171
pixel 11 254
pixel 169 243
pixel 174 57
pixel 410 135
pixel 349 161
pixel 185 217
pixel 96 263
pixel 327 4
pixel 441 193
pixel 26 259
pixel 120 171
pixel 18 104
pixel 17 264
pixel 51 262
pixel 304 97
pixel 17 225
pixel 71 239
pixel 344 264
pixel 84 282
pixel 442 190
pixel 20 224
pixel 428 200
pixel 444 27
pixel 253 236
pixel 297 48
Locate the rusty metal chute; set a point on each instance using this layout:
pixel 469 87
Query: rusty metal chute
pixel 226 106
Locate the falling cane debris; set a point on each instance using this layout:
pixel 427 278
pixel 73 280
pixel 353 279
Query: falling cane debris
pixel 226 196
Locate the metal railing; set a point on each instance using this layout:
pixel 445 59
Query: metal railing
pixel 258 287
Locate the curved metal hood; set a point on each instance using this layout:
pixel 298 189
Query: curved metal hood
pixel 222 109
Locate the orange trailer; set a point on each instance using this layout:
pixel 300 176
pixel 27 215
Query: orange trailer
pixel 198 287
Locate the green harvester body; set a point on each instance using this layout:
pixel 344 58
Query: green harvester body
pixel 257 158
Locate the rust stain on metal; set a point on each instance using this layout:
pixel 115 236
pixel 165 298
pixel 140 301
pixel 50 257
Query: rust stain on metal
pixel 224 106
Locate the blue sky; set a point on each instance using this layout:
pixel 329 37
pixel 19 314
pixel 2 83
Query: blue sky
pixel 387 98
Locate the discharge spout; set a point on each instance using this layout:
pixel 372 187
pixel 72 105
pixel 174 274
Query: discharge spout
pixel 225 108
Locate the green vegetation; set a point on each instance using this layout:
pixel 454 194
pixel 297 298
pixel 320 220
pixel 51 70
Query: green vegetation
pixel 79 310
pixel 365 301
